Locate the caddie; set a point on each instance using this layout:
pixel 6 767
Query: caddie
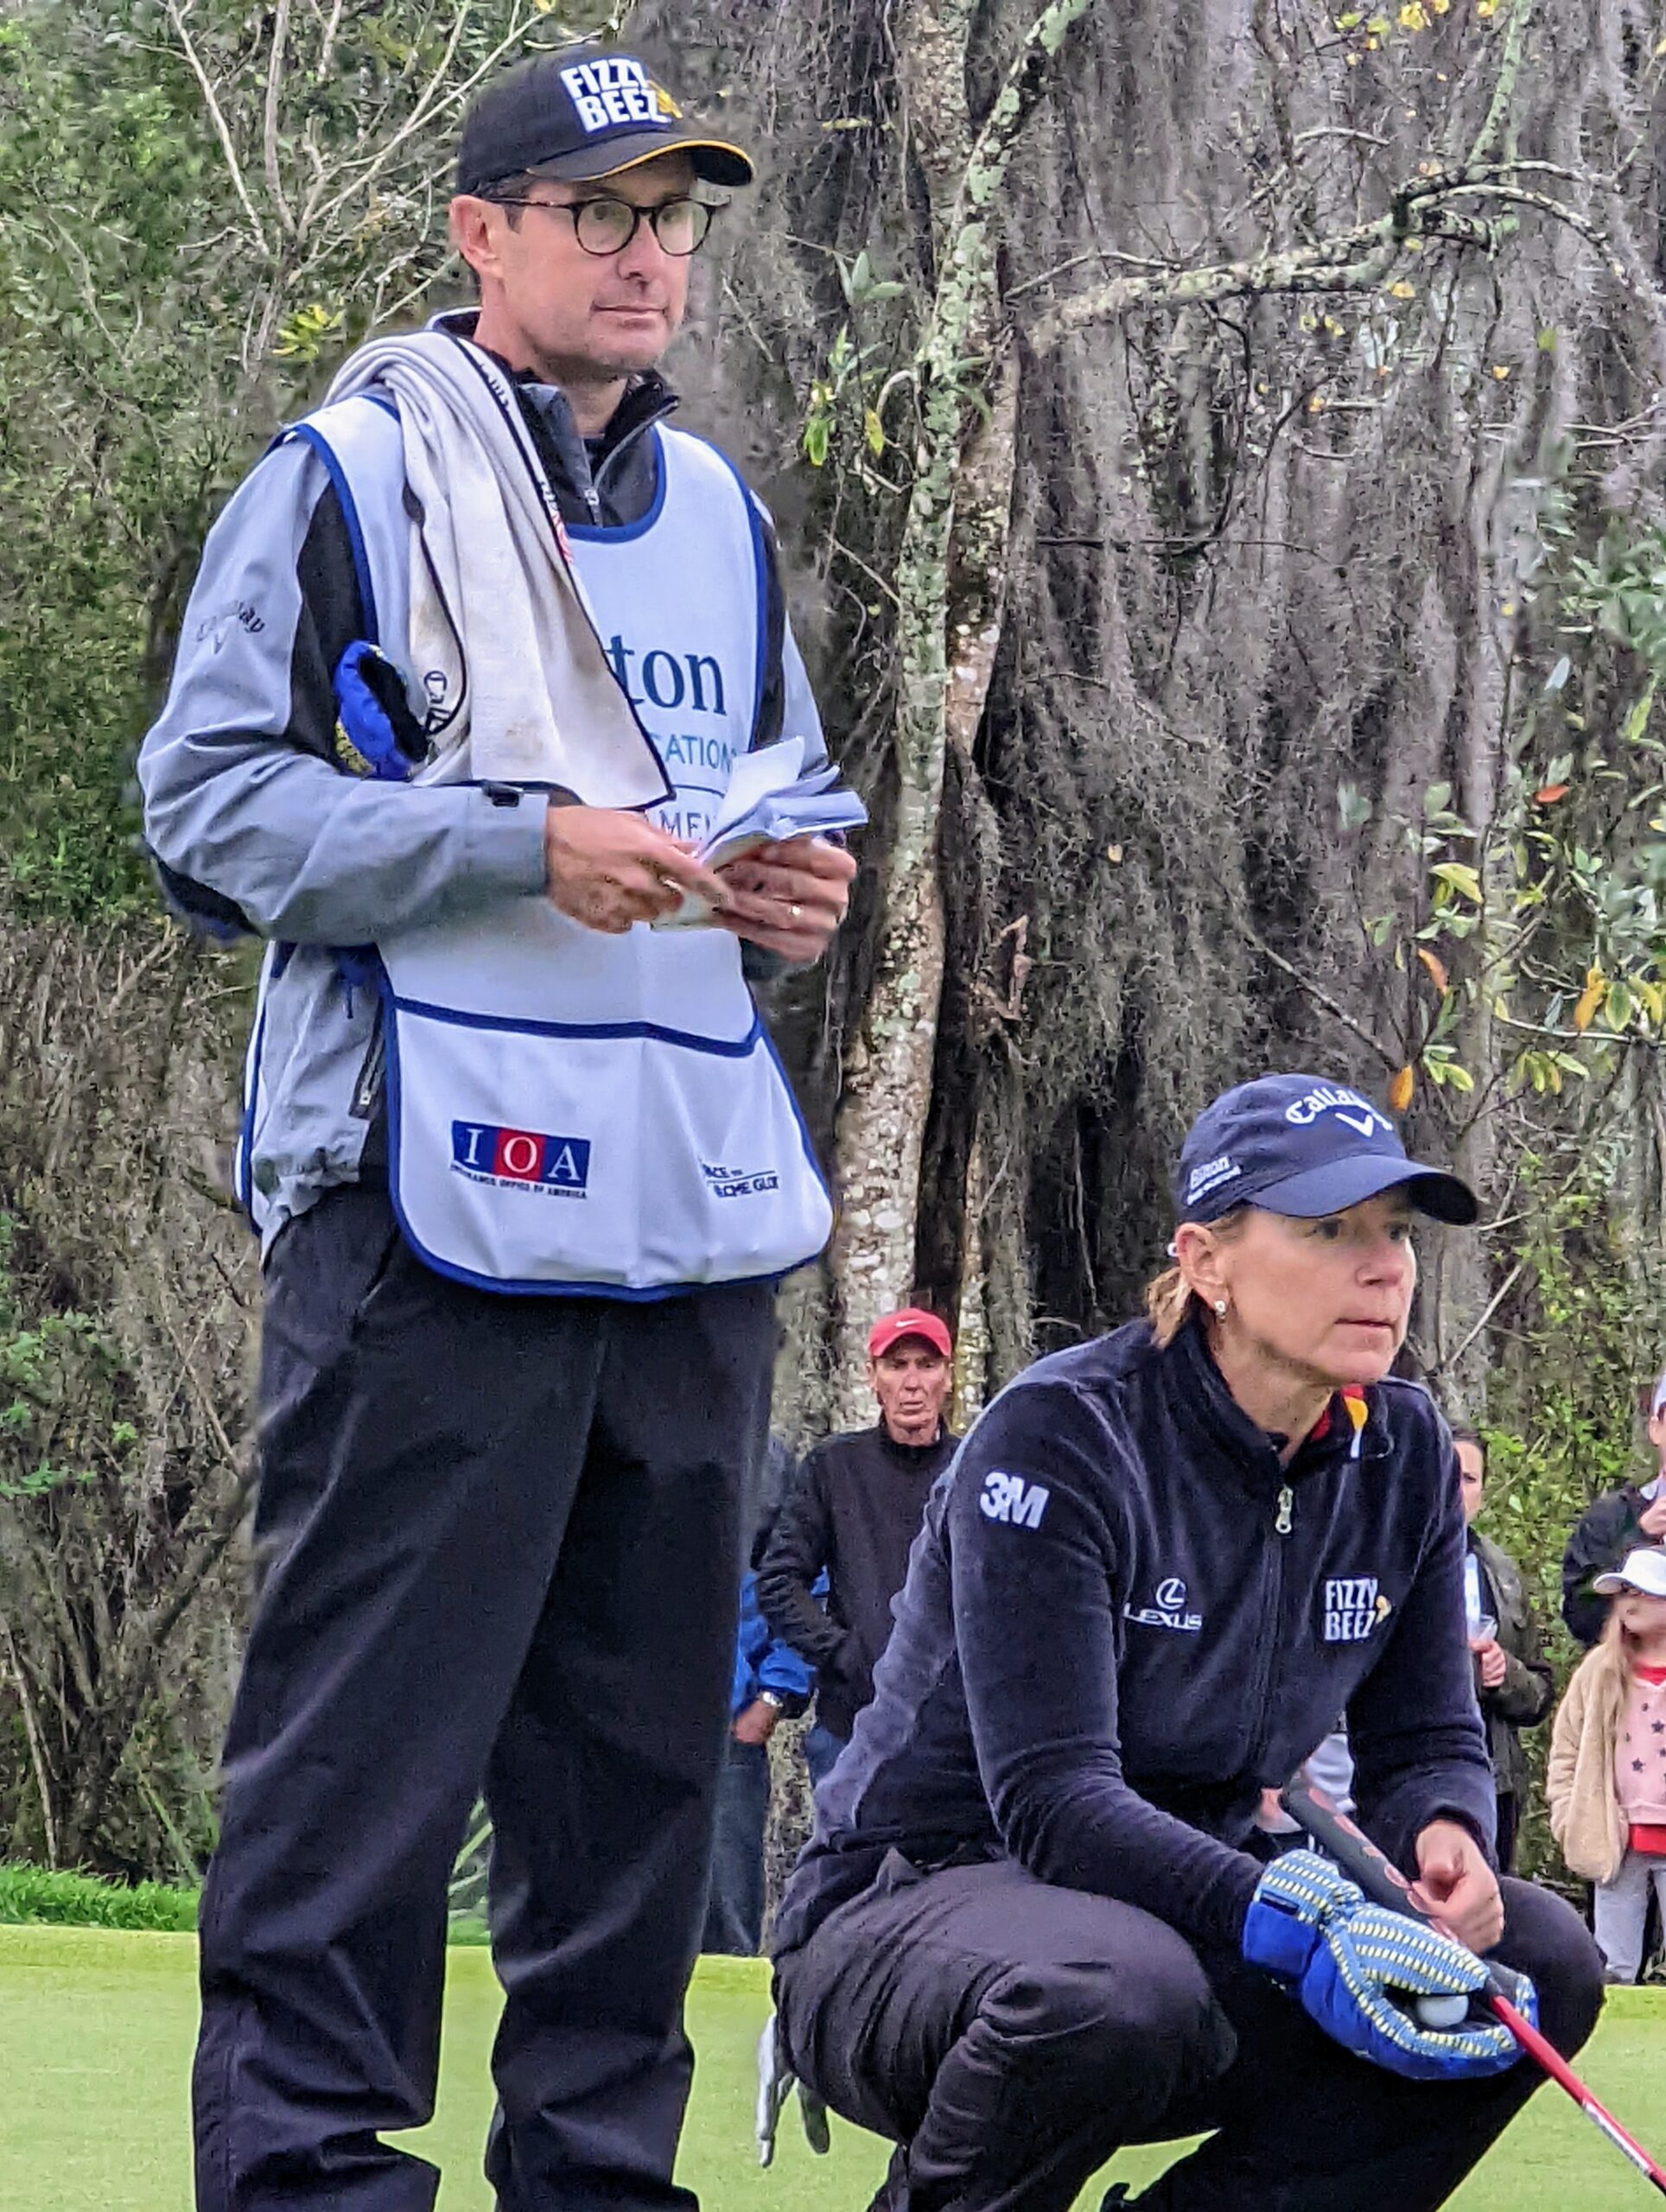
pixel 459 686
pixel 1027 1930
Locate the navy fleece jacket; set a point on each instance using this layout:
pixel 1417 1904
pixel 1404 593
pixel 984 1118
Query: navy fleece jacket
pixel 1126 1617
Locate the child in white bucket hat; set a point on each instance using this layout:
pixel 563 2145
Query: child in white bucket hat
pixel 1606 1781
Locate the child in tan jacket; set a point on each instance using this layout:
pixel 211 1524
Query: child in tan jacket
pixel 1607 1779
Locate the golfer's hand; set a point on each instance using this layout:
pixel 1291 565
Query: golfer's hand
pixel 1493 1663
pixel 1653 1522
pixel 1456 1885
pixel 608 869
pixel 790 898
pixel 757 1723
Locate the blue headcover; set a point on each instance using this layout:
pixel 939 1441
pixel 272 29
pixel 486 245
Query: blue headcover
pixel 376 733
pixel 1312 1928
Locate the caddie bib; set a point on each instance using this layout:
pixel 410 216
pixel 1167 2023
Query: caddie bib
pixel 573 1112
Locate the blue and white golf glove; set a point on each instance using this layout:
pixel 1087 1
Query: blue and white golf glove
pixel 1348 1962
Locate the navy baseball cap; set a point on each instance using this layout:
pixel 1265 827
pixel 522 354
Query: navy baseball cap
pixel 1296 1144
pixel 583 112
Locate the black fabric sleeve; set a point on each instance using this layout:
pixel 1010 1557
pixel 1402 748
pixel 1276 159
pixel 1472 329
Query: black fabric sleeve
pixel 1036 1632
pixel 798 1549
pixel 1591 1550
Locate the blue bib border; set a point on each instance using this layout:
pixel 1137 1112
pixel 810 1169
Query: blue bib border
pixel 512 1287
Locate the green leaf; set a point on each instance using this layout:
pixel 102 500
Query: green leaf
pixel 1459 879
pixel 1637 720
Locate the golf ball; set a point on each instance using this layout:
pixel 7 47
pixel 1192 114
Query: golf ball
pixel 1442 2012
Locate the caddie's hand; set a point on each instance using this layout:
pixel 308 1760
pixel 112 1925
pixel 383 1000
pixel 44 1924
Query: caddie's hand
pixel 607 868
pixel 1456 1885
pixel 757 1723
pixel 1652 1522
pixel 1493 1663
pixel 789 897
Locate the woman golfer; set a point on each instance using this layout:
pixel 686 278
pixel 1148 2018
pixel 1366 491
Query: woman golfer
pixel 1027 1930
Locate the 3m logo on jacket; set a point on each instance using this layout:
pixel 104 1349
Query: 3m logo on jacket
pixel 1011 1499
pixel 559 1167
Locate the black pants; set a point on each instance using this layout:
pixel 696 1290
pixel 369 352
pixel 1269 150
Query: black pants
pixel 735 1903
pixel 498 1546
pixel 1011 2038
pixel 1510 1809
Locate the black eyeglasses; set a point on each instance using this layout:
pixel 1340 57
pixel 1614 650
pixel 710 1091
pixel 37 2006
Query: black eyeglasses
pixel 606 225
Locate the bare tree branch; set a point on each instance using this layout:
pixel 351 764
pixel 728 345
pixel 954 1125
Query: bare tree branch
pixel 1352 260
pixel 268 124
pixel 176 16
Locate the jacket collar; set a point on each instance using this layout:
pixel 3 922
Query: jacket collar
pixel 1201 1400
pixel 581 467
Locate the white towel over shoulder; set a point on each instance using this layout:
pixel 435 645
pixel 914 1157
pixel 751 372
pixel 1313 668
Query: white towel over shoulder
pixel 495 602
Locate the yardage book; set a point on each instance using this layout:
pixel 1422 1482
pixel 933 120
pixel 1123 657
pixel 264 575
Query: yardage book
pixel 769 800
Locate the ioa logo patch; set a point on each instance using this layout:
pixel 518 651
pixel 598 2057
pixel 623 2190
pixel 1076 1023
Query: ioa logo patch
pixel 1011 1499
pixel 1354 1606
pixel 1168 1609
pixel 739 1182
pixel 521 1159
pixel 614 89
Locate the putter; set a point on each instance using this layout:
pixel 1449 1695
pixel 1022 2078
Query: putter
pixel 1384 1883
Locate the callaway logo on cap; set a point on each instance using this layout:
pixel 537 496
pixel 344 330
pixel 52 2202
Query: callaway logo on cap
pixel 584 112
pixel 1296 1144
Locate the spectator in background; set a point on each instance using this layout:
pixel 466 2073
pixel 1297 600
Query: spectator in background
pixel 853 1516
pixel 1611 1527
pixel 772 1684
pixel 1512 1675
pixel 1606 1780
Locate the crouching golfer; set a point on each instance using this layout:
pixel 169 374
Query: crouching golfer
pixel 1026 1931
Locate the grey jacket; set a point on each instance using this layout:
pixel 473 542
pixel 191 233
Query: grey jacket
pixel 256 823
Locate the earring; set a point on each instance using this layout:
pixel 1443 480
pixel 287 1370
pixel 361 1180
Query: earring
pixel 1220 1309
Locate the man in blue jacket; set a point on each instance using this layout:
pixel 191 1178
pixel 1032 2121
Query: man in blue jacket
pixel 772 1684
pixel 519 1263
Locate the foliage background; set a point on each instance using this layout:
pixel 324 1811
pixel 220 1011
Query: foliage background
pixel 1302 602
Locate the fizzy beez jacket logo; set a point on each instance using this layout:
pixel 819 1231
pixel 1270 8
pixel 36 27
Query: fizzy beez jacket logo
pixel 1354 1604
pixel 526 1160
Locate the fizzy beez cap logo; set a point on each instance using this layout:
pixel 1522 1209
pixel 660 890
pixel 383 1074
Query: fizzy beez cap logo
pixel 614 91
pixel 527 1159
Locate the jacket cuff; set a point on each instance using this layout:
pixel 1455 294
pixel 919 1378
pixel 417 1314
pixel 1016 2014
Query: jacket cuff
pixel 506 842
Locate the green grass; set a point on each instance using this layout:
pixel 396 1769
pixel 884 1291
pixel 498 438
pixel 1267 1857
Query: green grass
pixel 95 2043
pixel 30 1897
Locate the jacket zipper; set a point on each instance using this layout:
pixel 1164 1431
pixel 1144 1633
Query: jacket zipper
pixel 1273 1580
pixel 368 1087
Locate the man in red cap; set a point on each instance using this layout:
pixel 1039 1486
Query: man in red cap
pixel 853 1517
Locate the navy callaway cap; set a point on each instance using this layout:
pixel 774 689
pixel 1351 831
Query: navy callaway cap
pixel 1296 1144
pixel 584 112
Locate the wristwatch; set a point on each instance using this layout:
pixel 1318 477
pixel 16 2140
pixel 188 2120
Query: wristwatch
pixel 770 1698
